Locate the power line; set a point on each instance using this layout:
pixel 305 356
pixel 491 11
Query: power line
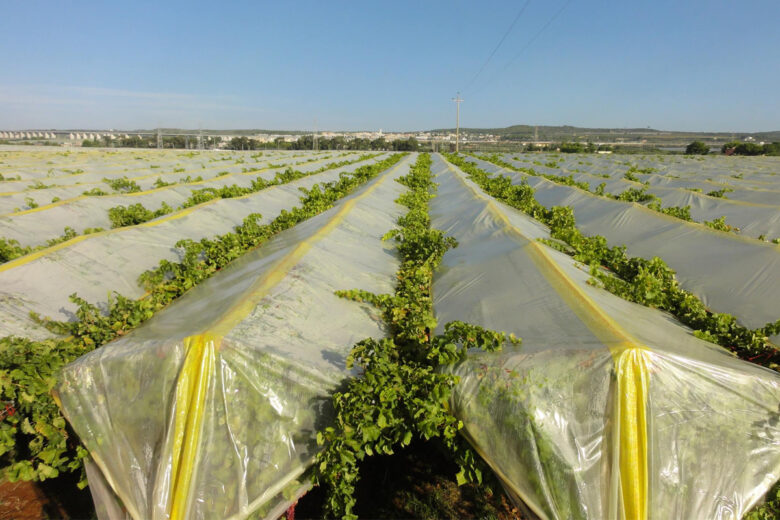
pixel 500 42
pixel 528 44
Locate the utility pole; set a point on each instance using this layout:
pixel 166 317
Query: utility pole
pixel 314 137
pixel 159 138
pixel 457 101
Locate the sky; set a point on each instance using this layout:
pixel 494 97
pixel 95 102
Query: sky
pixel 693 65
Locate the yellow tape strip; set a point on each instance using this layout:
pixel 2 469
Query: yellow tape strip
pixel 632 380
pixel 145 192
pixel 75 240
pixel 657 214
pixel 628 354
pixel 156 222
pixel 273 276
pixel 191 390
pixel 200 361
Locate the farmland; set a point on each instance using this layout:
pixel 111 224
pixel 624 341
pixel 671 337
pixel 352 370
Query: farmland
pixel 209 334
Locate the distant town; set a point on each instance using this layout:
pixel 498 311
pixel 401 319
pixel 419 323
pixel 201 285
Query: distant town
pixel 513 137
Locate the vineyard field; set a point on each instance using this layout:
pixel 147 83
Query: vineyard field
pixel 210 334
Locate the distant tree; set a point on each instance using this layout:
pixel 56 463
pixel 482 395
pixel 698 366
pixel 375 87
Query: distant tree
pixel 740 148
pixel 360 143
pixel 697 148
pixel 572 148
pixel 406 145
pixel 750 149
pixel 772 149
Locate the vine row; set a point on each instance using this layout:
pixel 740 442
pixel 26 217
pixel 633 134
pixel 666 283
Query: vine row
pixel 649 282
pixel 35 441
pixel 402 392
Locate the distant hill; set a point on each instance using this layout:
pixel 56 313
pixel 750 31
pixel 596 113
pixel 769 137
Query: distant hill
pixel 573 133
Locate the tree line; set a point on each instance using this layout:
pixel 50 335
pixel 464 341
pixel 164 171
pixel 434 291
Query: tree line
pixel 735 148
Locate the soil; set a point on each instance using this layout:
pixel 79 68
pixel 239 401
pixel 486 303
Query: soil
pixel 417 482
pixel 58 498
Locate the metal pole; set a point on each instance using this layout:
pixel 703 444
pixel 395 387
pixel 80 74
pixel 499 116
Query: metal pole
pixel 457 101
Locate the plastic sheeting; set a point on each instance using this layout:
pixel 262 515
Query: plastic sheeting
pixel 210 409
pixel 608 409
pixel 70 187
pixel 743 174
pixel 730 273
pixel 55 166
pixel 93 265
pixel 36 226
pixel 753 219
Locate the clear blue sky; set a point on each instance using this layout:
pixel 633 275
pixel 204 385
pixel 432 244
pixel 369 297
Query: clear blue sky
pixel 681 65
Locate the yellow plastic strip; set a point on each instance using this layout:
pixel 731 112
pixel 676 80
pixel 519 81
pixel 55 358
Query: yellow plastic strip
pixel 75 240
pixel 628 354
pixel 632 376
pixel 156 222
pixel 200 360
pixel 145 192
pixel 265 283
pixel 641 207
pixel 191 390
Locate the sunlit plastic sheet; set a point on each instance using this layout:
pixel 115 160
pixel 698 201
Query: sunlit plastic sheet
pixel 210 409
pixel 94 265
pixel 16 199
pixel 752 179
pixel 56 167
pixel 752 219
pixel 730 273
pixel 608 409
pixel 34 227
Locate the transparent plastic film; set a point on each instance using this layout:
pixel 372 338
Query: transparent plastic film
pixel 230 383
pixel 608 409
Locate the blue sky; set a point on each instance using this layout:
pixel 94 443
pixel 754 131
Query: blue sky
pixel 678 65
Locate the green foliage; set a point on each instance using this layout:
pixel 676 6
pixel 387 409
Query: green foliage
pixel 697 148
pixel 123 185
pixel 10 249
pixel 629 176
pixel 635 195
pixel 648 282
pixel 288 175
pixel 721 193
pixel 159 183
pixel 720 225
pixel 95 192
pixel 27 389
pixel 35 441
pixel 770 510
pixel 681 212
pixel 30 202
pixel 68 233
pixel 121 216
pixel 575 147
pixel 630 195
pixel 740 148
pixel 401 394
